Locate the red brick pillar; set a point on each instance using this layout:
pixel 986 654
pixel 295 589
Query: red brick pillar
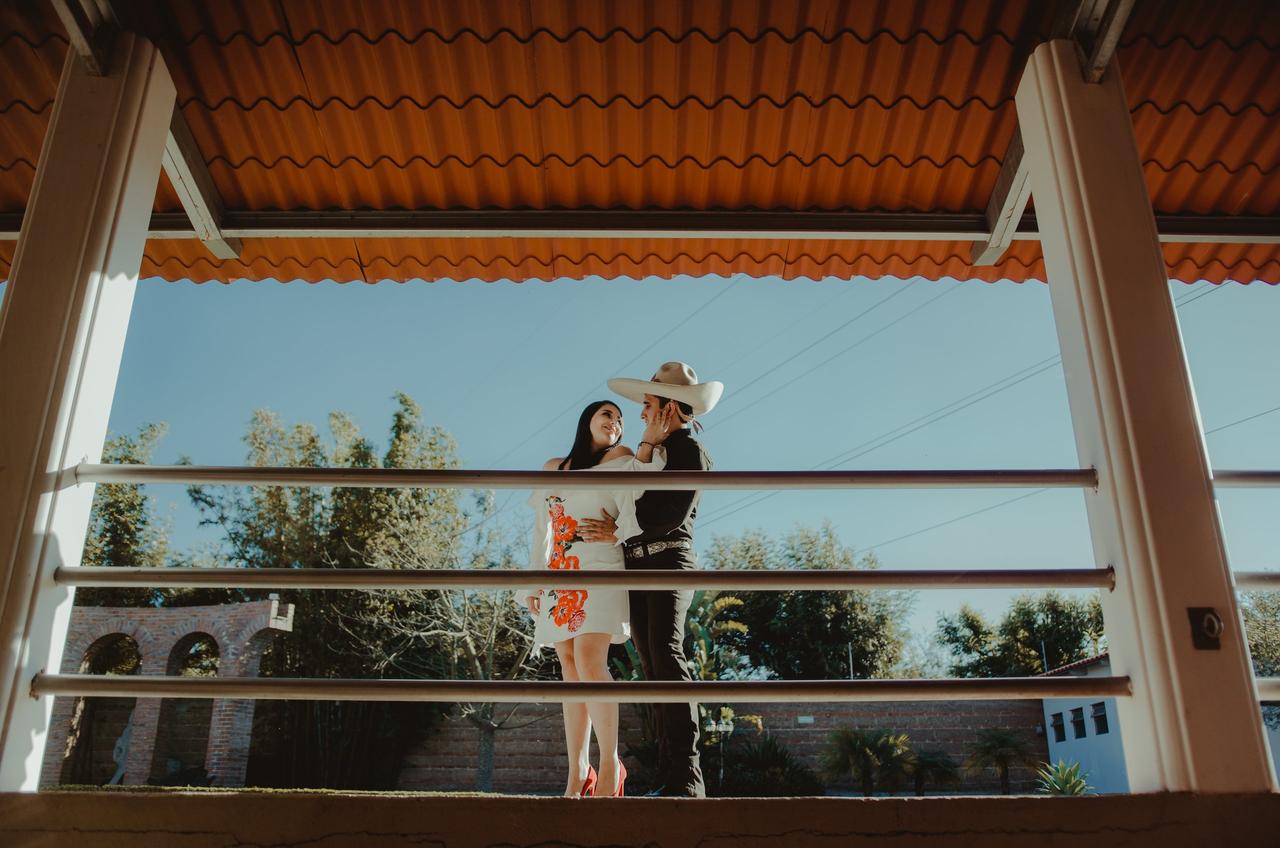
pixel 231 729
pixel 144 722
pixel 55 750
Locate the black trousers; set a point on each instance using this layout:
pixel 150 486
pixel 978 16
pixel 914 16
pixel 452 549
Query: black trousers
pixel 657 629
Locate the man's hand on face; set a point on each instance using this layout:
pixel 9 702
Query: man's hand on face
pixel 598 530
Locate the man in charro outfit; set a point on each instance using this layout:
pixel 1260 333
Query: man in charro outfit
pixel 672 399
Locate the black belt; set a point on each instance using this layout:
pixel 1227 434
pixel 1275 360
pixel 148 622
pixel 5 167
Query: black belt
pixel 651 548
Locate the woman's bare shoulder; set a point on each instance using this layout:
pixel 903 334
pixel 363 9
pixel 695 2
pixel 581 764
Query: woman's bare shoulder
pixel 616 452
pixel 553 463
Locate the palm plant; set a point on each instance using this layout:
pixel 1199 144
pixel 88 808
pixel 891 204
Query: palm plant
pixel 870 757
pixel 712 628
pixel 1062 779
pixel 1000 749
pixel 934 767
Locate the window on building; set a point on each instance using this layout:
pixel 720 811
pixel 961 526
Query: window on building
pixel 1059 727
pixel 1100 718
pixel 1077 723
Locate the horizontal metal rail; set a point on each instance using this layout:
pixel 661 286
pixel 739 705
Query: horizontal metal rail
pixel 1246 479
pixel 541 692
pixel 1257 579
pixel 388 478
pixel 673 224
pixel 429 578
pixel 1269 688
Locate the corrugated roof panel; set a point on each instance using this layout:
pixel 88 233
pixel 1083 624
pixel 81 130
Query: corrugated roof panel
pixel 660 104
pixel 283 259
pixel 491 259
pixel 599 121
pixel 30 64
pixel 1218 263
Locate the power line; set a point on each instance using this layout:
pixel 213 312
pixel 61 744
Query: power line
pixel 1040 367
pixel 1040 491
pixel 1197 295
pixel 758 347
pixel 506 504
pixel 1021 497
pixel 842 352
pixel 1242 420
pixel 620 369
pixel 812 345
pixel 904 430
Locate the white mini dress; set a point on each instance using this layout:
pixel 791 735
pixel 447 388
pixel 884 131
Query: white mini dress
pixel 567 611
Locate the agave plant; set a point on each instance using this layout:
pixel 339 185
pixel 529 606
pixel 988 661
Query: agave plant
pixel 1062 779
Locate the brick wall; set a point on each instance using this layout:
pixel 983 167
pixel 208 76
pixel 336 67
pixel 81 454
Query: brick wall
pixel 531 758
pixel 161 635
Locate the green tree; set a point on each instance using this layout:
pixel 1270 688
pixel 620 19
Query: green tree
pixel 1063 629
pixel 932 767
pixel 814 635
pixel 1001 750
pixel 876 760
pixel 454 634
pixel 338 634
pixel 1261 613
pixel 123 529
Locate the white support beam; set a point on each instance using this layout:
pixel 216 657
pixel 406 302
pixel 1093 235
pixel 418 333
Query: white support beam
pixel 194 185
pixel 91 28
pixel 62 332
pixel 1096 27
pixel 1007 204
pixel 1193 723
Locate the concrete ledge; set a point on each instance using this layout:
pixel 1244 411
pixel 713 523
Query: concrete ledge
pixel 281 819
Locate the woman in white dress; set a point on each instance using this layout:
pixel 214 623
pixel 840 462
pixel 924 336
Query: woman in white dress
pixel 581 624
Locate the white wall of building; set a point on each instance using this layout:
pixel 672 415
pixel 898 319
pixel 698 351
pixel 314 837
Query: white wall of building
pixel 1100 755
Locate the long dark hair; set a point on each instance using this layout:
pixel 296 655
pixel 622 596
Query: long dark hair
pixel 581 455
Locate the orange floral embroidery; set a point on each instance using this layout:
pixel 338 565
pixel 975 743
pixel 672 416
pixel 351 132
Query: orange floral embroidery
pixel 568 603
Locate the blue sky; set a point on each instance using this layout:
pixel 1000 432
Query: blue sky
pixel 814 372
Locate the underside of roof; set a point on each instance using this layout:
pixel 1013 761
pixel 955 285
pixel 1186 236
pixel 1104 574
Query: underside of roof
pixel 884 106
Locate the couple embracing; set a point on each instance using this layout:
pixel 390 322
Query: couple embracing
pixel 636 530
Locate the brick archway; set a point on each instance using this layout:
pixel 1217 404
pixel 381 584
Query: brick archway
pixel 157 632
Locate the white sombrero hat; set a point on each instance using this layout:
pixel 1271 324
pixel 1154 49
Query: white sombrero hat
pixel 676 381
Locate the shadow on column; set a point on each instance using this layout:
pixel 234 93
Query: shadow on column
pixel 182 734
pixel 98 739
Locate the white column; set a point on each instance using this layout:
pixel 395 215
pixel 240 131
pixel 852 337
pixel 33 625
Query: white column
pixel 62 333
pixel 1193 723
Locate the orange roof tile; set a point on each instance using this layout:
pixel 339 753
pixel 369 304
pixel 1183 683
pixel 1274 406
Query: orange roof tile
pixel 658 105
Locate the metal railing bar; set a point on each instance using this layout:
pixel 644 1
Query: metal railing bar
pixel 429 578
pixel 507 691
pixel 1257 579
pixel 1228 479
pixel 386 478
pixel 1269 688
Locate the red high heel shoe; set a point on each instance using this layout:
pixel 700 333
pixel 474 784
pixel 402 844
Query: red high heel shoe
pixel 622 779
pixel 589 785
